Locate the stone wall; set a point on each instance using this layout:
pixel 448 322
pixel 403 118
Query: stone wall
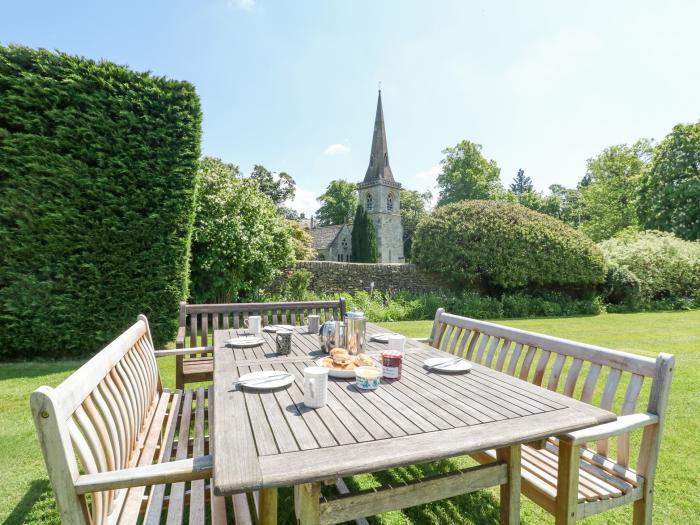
pixel 331 277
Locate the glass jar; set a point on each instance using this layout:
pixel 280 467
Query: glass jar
pixel 392 362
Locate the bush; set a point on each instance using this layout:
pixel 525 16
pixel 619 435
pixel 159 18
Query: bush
pixel 240 242
pixel 298 284
pixel 97 181
pixel 666 266
pixel 497 246
pixel 622 286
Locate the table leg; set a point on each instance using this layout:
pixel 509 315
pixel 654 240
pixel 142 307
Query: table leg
pixel 268 507
pixel 307 503
pixel 510 491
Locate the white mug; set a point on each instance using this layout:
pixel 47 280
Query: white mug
pixel 314 323
pixel 253 324
pixel 315 386
pixel 396 342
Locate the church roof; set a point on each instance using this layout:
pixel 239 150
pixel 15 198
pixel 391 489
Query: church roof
pixel 379 169
pixel 324 236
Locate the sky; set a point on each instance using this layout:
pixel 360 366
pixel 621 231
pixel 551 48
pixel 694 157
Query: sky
pixel 292 85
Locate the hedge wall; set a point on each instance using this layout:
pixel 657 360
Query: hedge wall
pixel 496 246
pixel 97 182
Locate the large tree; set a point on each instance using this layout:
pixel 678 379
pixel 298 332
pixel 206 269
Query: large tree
pixel 521 183
pixel 338 203
pixel 670 189
pixel 414 206
pixel 279 187
pixel 240 243
pixel 466 174
pixel 609 195
pixel 364 237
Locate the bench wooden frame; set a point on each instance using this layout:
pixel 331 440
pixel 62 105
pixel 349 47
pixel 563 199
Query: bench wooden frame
pixel 565 477
pixel 111 430
pixel 200 320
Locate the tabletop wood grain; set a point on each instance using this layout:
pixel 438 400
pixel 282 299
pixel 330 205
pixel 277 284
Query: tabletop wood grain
pixel 268 439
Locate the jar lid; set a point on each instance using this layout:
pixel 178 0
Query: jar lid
pixel 392 353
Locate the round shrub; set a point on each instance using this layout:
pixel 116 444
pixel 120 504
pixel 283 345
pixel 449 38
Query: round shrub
pixel 667 267
pixel 496 245
pixel 622 286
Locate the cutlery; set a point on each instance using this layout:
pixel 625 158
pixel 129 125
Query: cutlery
pixel 260 380
pixel 447 363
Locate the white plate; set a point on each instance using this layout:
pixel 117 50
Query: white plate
pixel 447 364
pixel 266 380
pixel 334 372
pixel 277 327
pixel 246 342
pixel 381 338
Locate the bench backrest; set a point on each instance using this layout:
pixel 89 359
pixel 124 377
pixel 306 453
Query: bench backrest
pixel 96 419
pixel 200 319
pixel 603 377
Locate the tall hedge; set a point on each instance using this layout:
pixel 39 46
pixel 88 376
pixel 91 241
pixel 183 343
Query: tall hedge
pixel 97 183
pixel 495 246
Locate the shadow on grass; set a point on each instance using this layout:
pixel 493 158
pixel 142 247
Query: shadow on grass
pixel 30 369
pixel 36 506
pixel 478 508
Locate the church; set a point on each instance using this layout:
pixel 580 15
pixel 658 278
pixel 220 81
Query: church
pixel 380 195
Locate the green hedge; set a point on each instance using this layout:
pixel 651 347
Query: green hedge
pixel 496 246
pixel 97 182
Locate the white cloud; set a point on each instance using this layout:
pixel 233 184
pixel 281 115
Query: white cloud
pixel 336 149
pixel 242 4
pixel 429 175
pixel 304 202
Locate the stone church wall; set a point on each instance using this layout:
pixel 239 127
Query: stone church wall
pixel 332 277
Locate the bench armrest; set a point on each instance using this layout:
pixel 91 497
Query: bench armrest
pixel 621 425
pixel 170 472
pixel 184 351
pixel 180 340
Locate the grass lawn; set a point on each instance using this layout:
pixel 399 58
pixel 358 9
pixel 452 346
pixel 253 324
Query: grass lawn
pixel 26 495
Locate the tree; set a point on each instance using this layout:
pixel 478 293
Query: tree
pixel 338 203
pixel 609 196
pixel 534 200
pixel 279 188
pixel 521 184
pixel 569 204
pixel 413 208
pixel 466 174
pixel 301 242
pixel 364 237
pixel 240 243
pixel 670 189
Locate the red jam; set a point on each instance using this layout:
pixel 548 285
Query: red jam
pixel 392 362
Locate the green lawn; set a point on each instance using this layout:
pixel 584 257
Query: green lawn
pixel 26 495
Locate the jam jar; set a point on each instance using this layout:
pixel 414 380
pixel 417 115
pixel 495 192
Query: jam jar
pixel 391 364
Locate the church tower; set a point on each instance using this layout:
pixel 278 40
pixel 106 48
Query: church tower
pixel 380 195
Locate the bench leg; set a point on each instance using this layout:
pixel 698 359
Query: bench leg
pixel 510 491
pixel 179 373
pixel 567 484
pixel 268 507
pixel 307 503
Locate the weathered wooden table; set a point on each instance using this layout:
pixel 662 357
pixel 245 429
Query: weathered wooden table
pixel 268 440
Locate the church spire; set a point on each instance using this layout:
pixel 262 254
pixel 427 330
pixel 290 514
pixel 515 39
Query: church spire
pixel 379 169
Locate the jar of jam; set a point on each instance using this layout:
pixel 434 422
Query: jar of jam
pixel 391 364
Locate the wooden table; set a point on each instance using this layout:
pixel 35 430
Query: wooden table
pixel 268 440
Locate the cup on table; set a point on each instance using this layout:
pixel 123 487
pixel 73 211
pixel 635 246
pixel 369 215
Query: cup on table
pixel 314 324
pixel 253 324
pixel 396 342
pixel 315 386
pixel 283 341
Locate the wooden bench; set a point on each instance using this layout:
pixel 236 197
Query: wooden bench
pixel 120 448
pixel 565 476
pixel 200 320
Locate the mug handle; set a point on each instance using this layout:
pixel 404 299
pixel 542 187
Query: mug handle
pixel 245 322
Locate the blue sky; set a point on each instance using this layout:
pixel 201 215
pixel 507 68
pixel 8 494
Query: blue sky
pixel 292 85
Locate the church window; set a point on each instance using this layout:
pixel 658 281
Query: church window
pixel 339 257
pixel 369 202
pixel 390 202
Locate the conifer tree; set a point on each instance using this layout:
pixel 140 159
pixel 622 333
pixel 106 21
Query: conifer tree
pixel 364 237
